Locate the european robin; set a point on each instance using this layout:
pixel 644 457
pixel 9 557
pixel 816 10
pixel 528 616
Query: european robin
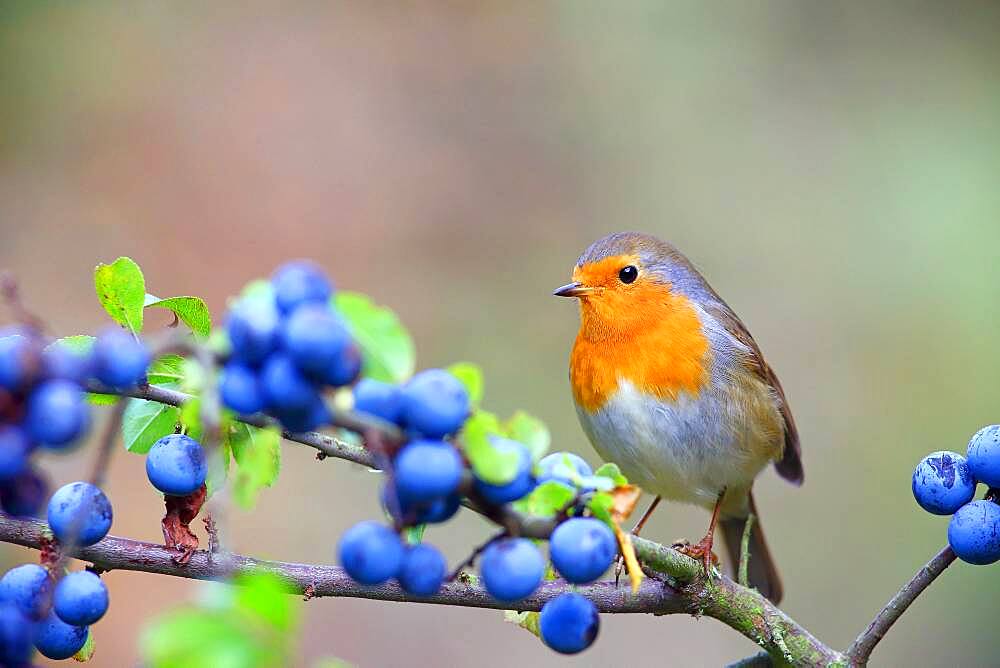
pixel 669 385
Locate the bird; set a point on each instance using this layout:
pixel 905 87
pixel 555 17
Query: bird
pixel 669 384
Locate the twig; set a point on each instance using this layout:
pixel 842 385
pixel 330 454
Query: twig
pixel 758 660
pixel 470 561
pixel 862 648
pixel 327 445
pixel 745 550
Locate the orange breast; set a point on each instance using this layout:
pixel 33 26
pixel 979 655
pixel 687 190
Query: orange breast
pixel 655 341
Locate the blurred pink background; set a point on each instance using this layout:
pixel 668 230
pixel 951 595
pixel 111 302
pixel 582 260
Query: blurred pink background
pixel 832 169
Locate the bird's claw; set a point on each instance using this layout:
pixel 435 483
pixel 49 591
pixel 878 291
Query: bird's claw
pixel 702 551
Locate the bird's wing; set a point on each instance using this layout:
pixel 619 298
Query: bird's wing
pixel 790 464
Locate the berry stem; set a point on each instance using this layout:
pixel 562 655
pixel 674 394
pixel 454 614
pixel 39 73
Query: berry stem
pixel 862 648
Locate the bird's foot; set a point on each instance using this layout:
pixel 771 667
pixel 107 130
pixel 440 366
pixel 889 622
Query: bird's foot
pixel 702 551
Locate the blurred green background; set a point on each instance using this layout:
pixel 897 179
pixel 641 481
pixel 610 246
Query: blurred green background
pixel 831 167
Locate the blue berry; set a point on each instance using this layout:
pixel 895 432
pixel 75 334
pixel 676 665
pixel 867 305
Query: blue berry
pixel 300 282
pixel 512 568
pixel 313 417
pixel 29 587
pixel 314 337
pixel 57 413
pixel 439 510
pixel 423 570
pixel 18 361
pixel 24 495
pixel 435 403
pixel 569 623
pixel 345 369
pixel 14 451
pixel 119 360
pixel 943 483
pixel 984 455
pixel 564 467
pixel 79 512
pixel 56 639
pixel 974 532
pixel 63 362
pixel 176 465
pixel 382 400
pixel 253 326
pixel 426 470
pixel 371 553
pixel 285 388
pixel 582 548
pixel 80 598
pixel 15 636
pixel 240 389
pixel 523 481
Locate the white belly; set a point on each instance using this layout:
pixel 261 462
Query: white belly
pixel 687 451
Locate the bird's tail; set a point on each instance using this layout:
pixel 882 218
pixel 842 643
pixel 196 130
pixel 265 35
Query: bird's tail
pixel 761 571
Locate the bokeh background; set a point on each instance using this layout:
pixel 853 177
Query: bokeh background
pixel 831 167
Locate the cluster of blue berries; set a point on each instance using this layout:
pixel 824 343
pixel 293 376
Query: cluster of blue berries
pixel 429 479
pixel 944 483
pixel 43 404
pixel 54 617
pixel 287 344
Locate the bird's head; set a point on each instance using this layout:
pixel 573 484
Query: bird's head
pixel 627 282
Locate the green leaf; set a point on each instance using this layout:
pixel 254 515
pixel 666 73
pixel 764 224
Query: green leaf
pixel 258 455
pixel 531 431
pixel 488 463
pixel 547 500
pixel 218 468
pixel 266 596
pixel 192 638
pixel 471 376
pixel 78 343
pixel 190 418
pixel 192 311
pixel 386 346
pixel 413 535
pixel 529 621
pixel 121 290
pixel 600 506
pixel 166 369
pixel 86 652
pixel 611 470
pixel 146 422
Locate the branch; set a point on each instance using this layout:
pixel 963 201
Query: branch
pixel 862 648
pixel 327 445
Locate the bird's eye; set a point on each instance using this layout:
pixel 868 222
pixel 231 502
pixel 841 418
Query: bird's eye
pixel 628 274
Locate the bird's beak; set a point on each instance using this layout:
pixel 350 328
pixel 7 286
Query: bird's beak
pixel 574 289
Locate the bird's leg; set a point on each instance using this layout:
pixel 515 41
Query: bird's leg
pixel 620 565
pixel 703 549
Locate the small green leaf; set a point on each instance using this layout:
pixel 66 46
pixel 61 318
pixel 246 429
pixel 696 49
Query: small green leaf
pixel 531 431
pixel 166 369
pixel 121 290
pixel 190 418
pixel 547 500
pixel 266 596
pixel 86 652
pixel 600 506
pixel 413 535
pixel 471 376
pixel 488 463
pixel 386 346
pixel 192 638
pixel 192 311
pixel 529 621
pixel 146 422
pixel 258 456
pixel 611 470
pixel 78 343
pixel 218 468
